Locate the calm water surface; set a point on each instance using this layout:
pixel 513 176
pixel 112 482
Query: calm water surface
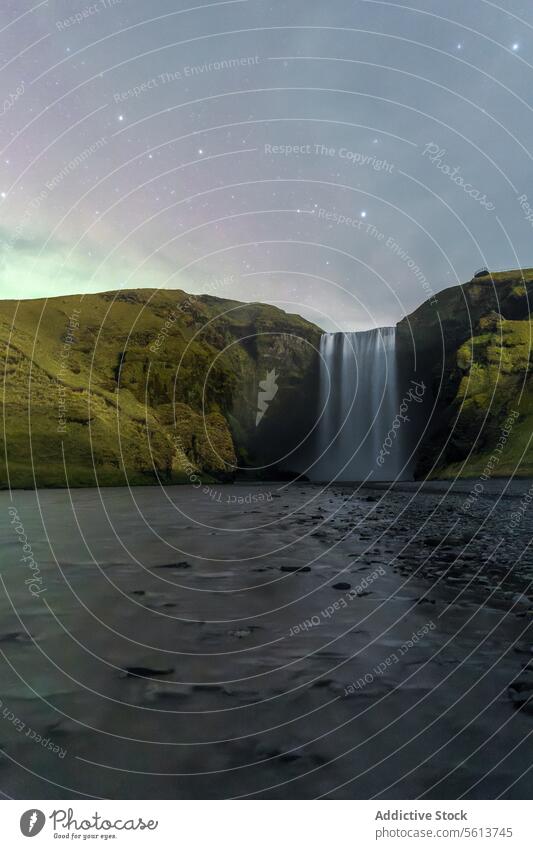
pixel 267 641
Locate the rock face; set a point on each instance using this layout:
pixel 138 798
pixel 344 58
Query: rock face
pixel 472 344
pixel 142 385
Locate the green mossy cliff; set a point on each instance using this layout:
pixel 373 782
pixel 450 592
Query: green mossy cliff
pixel 472 344
pixel 141 386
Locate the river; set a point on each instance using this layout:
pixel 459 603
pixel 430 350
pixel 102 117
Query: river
pixel 272 641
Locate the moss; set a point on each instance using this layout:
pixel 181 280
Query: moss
pixel 491 379
pixel 137 386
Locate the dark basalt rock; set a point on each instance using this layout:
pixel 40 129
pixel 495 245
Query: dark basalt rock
pixel 521 694
pixel 16 637
pixel 145 671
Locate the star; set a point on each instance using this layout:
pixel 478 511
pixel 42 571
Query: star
pixel 120 118
pixel 363 214
pixel 515 46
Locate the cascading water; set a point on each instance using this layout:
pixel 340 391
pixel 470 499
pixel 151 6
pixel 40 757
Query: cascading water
pixel 359 399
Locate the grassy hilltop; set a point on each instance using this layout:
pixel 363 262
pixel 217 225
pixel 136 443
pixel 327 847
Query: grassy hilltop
pixel 143 385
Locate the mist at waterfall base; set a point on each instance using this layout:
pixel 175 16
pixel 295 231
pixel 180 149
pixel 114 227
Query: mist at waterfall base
pixel 359 435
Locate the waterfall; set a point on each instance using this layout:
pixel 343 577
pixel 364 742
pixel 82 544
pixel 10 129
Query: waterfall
pixel 359 401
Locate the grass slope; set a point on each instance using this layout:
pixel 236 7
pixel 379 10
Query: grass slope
pixel 477 338
pixel 141 385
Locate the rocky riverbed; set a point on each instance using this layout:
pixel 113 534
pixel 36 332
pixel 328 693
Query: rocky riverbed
pixel 282 640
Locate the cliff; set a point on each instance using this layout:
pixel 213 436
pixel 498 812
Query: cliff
pixel 142 386
pixel 472 344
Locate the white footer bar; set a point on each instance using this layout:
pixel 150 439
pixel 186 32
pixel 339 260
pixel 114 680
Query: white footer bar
pixel 266 824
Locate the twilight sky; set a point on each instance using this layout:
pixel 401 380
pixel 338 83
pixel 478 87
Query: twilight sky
pixel 340 159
